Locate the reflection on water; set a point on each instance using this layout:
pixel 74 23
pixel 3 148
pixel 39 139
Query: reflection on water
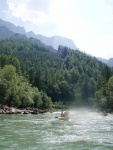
pixel 85 130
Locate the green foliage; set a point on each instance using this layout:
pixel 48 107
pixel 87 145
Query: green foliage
pixel 9 76
pixel 40 75
pixel 104 96
pixel 110 93
pixel 9 60
pixel 15 90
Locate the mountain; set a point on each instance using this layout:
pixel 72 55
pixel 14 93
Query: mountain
pixel 109 62
pixel 102 59
pixel 53 41
pixel 12 27
pixel 5 32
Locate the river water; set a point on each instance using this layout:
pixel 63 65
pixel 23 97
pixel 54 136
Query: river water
pixel 85 130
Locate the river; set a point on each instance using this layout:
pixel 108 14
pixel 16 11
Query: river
pixel 85 130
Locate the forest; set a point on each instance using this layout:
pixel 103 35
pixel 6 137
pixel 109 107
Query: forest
pixel 35 75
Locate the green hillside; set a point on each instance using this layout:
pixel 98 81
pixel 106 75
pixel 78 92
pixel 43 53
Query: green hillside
pixel 43 77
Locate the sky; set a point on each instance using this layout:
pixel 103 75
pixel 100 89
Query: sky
pixel 89 23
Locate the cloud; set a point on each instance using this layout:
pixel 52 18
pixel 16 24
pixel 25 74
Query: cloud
pixel 41 11
pixel 55 13
pixel 39 5
pixel 35 11
pixel 88 23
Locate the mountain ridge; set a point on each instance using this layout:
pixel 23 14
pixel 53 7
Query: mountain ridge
pixel 109 61
pixel 53 41
pixel 7 29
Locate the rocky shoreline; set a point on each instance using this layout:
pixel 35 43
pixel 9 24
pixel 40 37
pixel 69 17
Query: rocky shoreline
pixel 29 110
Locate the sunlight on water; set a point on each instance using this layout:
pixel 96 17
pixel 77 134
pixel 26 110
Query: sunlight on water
pixel 85 130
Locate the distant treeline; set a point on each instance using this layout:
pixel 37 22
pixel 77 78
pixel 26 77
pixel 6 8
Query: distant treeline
pixel 33 74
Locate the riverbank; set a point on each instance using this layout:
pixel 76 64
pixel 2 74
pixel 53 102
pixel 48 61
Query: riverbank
pixel 29 110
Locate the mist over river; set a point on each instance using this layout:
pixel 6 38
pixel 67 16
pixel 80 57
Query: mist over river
pixel 85 130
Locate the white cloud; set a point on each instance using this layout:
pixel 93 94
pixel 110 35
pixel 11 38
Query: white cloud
pixel 35 11
pixel 41 11
pixel 79 20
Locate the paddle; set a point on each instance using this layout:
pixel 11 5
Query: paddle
pixel 56 116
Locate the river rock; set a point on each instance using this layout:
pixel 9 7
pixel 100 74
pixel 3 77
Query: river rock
pixel 2 111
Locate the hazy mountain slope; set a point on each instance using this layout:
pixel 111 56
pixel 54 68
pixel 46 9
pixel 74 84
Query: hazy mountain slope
pixel 54 41
pixel 102 59
pixel 12 27
pixel 109 62
pixel 5 32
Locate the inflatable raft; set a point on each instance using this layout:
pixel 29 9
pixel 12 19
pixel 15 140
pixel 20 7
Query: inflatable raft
pixel 63 118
